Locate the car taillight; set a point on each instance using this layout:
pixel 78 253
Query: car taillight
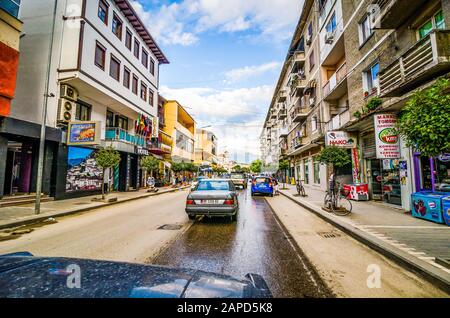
pixel 228 202
pixel 190 202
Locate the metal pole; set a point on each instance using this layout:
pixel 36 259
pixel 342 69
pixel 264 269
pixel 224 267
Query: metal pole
pixel 37 206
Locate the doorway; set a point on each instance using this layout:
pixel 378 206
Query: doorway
pixel 19 162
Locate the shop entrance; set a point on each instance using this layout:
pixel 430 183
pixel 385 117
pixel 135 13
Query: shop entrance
pixel 18 172
pixel 385 180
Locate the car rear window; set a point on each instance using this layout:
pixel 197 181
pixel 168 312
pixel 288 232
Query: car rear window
pixel 262 180
pixel 210 185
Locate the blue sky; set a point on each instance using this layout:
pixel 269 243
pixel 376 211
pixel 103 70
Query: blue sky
pixel 225 58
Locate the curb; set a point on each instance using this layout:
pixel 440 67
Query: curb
pixel 427 271
pixel 36 219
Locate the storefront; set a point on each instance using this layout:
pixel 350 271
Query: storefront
pixel 432 174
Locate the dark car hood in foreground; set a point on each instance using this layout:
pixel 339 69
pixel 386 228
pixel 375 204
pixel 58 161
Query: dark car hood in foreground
pixel 23 275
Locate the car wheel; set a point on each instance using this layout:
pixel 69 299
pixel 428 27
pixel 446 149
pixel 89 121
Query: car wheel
pixel 271 195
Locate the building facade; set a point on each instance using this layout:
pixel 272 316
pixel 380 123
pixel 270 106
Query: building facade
pixel 102 91
pixel 205 149
pixel 180 126
pixel 372 55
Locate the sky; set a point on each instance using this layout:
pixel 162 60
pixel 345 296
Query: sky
pixel 225 59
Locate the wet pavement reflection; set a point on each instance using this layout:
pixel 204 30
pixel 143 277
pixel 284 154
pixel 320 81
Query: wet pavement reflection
pixel 253 244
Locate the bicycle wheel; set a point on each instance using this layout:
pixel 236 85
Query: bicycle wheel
pixel 302 191
pixel 342 207
pixel 327 201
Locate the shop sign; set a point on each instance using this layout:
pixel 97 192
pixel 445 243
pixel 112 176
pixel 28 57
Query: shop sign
pixel 155 124
pixel 387 140
pixel 142 151
pixel 445 157
pixel 355 165
pixel 84 133
pixel 340 139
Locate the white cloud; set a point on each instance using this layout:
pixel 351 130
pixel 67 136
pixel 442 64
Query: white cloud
pixel 236 116
pixel 182 22
pixel 238 74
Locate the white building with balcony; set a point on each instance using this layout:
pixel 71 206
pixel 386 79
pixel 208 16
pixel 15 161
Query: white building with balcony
pixel 104 68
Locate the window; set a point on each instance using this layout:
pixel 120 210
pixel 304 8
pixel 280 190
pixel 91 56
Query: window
pixel 316 171
pixel 103 11
pixel 437 22
pixel 136 48
pixel 143 91
pixel 135 84
pixel 314 123
pixel 310 30
pixel 122 122
pixel 109 118
pixel 331 26
pixel 114 68
pixel 150 97
pixel 365 29
pixel 306 170
pixel 312 60
pixel 83 111
pixel 152 66
pixel 128 39
pixel 117 26
pixel 144 58
pixel 100 53
pixel 371 79
pixel 126 77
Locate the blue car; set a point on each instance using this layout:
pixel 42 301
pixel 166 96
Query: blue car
pixel 263 185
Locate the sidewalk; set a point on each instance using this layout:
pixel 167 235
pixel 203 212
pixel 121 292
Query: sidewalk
pixel 24 214
pixel 396 234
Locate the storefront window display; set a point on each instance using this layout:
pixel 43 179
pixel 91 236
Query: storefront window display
pixel 316 171
pixel 432 174
pixel 306 170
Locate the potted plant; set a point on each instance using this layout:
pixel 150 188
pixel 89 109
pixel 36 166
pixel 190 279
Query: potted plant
pixel 374 103
pixel 357 114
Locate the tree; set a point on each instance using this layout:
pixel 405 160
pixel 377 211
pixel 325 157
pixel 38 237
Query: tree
pixel 150 164
pixel 236 168
pixel 256 166
pixel 425 120
pixel 337 157
pixel 283 166
pixel 106 158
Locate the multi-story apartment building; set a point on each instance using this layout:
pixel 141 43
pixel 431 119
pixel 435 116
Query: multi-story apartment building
pixel 205 148
pixel 102 91
pixel 10 28
pixel 373 55
pixel 180 125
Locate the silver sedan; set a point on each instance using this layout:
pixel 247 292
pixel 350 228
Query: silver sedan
pixel 213 197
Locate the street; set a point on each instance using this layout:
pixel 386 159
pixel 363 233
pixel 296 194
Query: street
pixel 256 243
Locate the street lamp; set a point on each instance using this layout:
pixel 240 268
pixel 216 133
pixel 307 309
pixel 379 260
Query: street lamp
pixel 40 172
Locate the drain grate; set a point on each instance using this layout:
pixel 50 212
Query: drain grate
pixel 329 234
pixel 171 227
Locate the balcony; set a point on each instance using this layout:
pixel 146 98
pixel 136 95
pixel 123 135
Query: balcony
pixel 119 134
pixel 336 87
pixel 282 113
pixel 425 60
pixel 299 113
pixel 159 148
pixel 338 121
pixel 283 132
pixel 394 13
pixel 296 142
pixel 282 95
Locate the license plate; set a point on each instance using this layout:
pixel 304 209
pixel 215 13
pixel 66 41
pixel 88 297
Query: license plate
pixel 211 201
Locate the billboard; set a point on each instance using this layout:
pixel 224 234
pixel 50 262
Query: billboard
pixel 387 139
pixel 83 173
pixel 83 133
pixel 340 139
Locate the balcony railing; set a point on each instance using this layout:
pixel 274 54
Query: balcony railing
pixel 119 134
pixel 282 95
pixel 338 121
pixel 337 80
pixel 299 113
pixel 282 113
pixel 426 59
pixel 296 142
pixel 393 13
pixel 283 132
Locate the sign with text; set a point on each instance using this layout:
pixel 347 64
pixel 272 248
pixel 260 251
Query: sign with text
pixel 84 133
pixel 340 139
pixel 387 140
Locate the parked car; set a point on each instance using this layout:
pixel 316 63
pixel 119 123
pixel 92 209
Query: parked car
pixel 262 185
pixel 213 197
pixel 23 275
pixel 239 180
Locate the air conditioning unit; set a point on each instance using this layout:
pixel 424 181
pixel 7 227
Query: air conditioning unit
pixel 66 110
pixel 308 39
pixel 68 92
pixel 329 38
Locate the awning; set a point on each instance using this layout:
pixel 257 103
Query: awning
pixel 158 151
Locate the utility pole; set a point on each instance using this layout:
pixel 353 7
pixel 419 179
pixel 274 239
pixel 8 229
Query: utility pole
pixel 40 172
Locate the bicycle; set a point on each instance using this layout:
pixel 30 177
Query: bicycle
pixel 300 188
pixel 336 201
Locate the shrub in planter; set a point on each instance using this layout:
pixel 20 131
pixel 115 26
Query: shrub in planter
pixel 357 114
pixel 374 103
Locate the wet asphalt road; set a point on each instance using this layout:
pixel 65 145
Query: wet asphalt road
pixel 253 244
